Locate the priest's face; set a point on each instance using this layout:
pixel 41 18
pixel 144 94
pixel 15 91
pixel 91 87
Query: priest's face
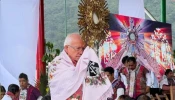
pixel 75 50
pixel 23 83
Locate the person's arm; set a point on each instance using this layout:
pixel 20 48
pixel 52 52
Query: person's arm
pixel 148 82
pixel 39 98
pixel 147 89
pixel 164 84
pixel 165 87
pixel 124 80
pixel 120 91
pixel 37 94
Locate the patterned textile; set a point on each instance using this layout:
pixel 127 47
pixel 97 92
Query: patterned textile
pixel 31 93
pixel 66 80
pixel 140 80
pixel 116 84
pixel 77 95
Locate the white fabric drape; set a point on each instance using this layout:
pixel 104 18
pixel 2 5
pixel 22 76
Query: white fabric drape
pixel 19 21
pixel 133 8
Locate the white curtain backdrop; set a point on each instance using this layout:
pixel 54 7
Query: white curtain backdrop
pixel 133 8
pixel 19 27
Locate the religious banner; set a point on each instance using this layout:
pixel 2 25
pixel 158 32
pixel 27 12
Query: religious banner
pixel 149 41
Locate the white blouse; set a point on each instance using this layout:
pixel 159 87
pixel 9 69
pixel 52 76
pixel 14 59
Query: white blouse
pixel 6 97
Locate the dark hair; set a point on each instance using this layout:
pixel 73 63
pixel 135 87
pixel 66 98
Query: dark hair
pixel 125 97
pixel 2 88
pixel 13 88
pixel 168 71
pixel 109 69
pixel 124 59
pixel 133 59
pixel 47 97
pixel 143 97
pixel 22 75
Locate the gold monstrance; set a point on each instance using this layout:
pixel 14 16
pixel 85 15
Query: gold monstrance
pixel 93 21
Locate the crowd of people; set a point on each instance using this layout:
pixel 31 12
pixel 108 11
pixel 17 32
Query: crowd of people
pixel 76 74
pixel 23 92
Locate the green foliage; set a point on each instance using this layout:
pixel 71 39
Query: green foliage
pixel 43 84
pixel 51 53
pixel 48 57
pixel 174 53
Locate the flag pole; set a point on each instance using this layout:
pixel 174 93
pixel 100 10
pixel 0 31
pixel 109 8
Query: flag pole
pixel 41 42
pixel 163 11
pixel 0 83
pixel 65 17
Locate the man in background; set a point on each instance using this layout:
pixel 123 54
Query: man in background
pixel 117 84
pixel 27 92
pixel 138 78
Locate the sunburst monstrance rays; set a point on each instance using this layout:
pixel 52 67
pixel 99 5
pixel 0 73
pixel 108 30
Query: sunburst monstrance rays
pixel 93 20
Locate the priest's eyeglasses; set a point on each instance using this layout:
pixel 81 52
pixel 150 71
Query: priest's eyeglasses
pixel 77 48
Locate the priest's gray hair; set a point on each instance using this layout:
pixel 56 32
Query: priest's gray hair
pixel 69 38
